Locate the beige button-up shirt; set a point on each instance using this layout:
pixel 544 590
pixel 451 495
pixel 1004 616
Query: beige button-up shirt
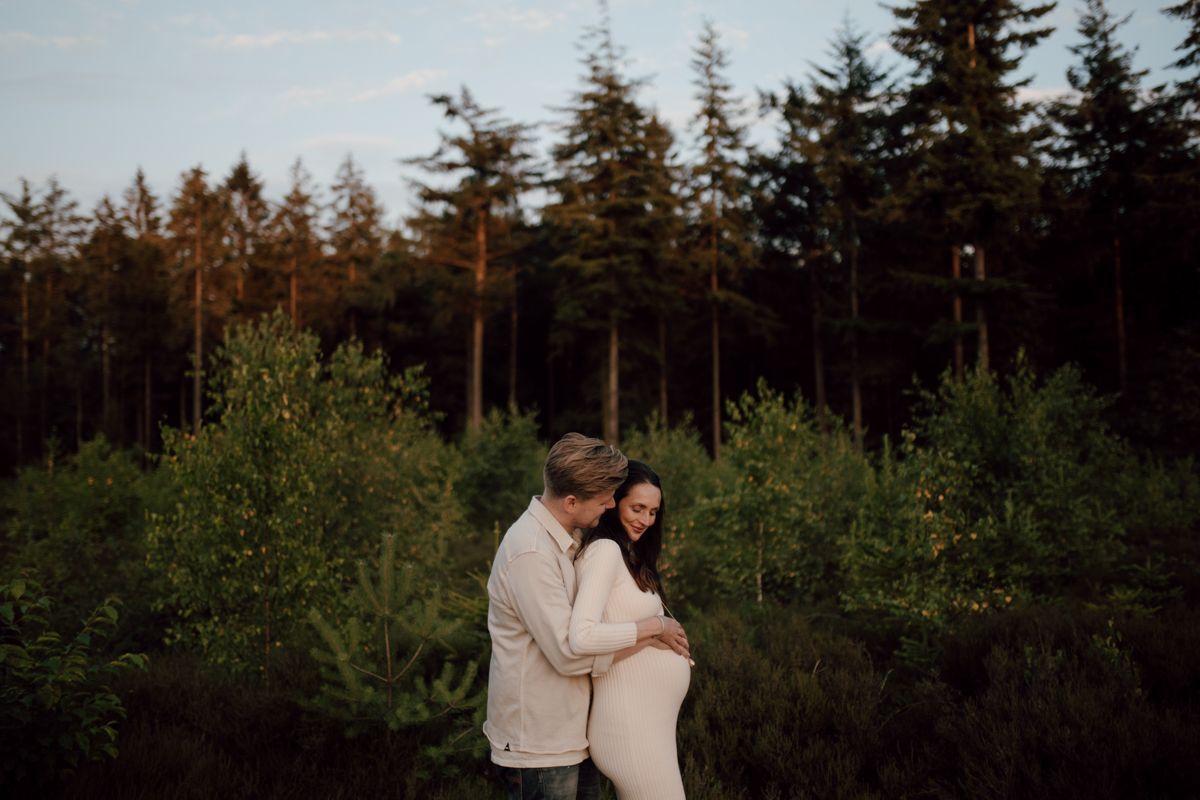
pixel 538 689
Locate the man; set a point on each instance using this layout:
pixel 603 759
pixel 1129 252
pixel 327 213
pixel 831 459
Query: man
pixel 538 690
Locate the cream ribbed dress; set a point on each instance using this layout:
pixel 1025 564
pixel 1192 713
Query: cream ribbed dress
pixel 635 705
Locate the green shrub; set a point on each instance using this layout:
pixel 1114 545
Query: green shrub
pixel 56 710
pixel 300 467
pixel 501 469
pixel 788 493
pixel 80 526
pixel 690 478
pixel 1000 494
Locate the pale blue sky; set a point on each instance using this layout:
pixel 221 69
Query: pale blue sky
pixel 91 89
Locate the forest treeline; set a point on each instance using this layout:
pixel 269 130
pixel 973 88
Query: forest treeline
pixel 898 224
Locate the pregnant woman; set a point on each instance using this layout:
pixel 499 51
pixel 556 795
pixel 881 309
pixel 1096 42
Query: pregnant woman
pixel 635 705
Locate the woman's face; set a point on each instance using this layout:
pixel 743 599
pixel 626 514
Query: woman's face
pixel 639 508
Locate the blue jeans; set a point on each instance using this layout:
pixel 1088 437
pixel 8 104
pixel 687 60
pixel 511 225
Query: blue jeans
pixel 576 782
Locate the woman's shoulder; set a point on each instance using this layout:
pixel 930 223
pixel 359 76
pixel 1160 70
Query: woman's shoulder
pixel 601 549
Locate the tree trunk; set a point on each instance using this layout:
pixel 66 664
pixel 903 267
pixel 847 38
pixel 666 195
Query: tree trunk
pixel 512 345
pixel 855 378
pixel 294 294
pixel 1122 342
pixel 43 410
pixel 78 413
pixel 23 407
pixel 818 350
pixel 662 371
pixel 475 385
pixel 612 384
pixel 198 333
pixel 714 287
pixel 981 311
pixel 148 411
pixel 956 273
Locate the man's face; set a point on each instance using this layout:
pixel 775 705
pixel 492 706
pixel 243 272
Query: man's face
pixel 586 513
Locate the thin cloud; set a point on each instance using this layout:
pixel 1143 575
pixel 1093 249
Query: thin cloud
pixel 257 41
pixel 303 96
pixel 1028 94
pixel 400 85
pixel 343 141
pixel 527 19
pixel 36 40
pixel 878 48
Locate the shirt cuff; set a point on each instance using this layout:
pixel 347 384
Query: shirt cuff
pixel 600 664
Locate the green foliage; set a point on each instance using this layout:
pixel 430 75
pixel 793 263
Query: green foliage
pixel 55 710
pixel 80 526
pixel 788 493
pixel 690 478
pixel 394 664
pixel 1003 492
pixel 501 469
pixel 302 465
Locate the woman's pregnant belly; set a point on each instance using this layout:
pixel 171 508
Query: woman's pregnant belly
pixel 659 678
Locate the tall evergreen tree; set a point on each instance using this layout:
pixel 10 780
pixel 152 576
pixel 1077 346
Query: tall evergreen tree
pixel 1189 87
pixel 22 233
pixel 196 225
pixel 248 215
pixel 599 214
pixel 295 237
pixel 462 225
pixel 839 125
pixel 718 205
pixel 1106 148
pixel 142 296
pixel 976 171
pixel 355 234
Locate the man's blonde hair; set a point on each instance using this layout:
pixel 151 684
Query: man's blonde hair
pixel 585 467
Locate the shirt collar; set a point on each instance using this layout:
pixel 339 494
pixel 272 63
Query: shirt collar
pixel 562 538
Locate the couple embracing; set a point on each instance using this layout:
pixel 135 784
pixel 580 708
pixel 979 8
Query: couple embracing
pixel 576 619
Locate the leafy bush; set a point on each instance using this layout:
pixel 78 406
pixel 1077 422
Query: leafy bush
pixel 394 666
pixel 1001 493
pixel 300 467
pixel 55 710
pixel 690 478
pixel 787 493
pixel 501 469
pixel 80 526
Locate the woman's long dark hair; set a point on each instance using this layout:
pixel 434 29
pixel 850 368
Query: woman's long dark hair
pixel 641 557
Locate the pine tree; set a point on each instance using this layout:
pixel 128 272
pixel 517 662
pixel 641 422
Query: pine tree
pixel 462 225
pixel 1188 88
pixel 21 240
pixel 105 257
pixel 599 215
pixel 297 245
pixel 196 218
pixel 976 170
pixel 355 234
pixel 722 244
pixel 1107 140
pixel 838 124
pixel 248 213
pixel 142 296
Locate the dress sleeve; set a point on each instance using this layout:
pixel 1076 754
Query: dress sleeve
pixel 540 600
pixel 597 572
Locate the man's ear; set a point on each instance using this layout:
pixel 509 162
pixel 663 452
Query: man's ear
pixel 570 503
